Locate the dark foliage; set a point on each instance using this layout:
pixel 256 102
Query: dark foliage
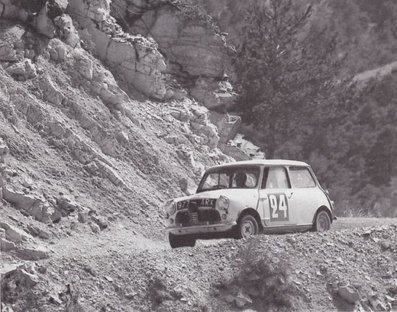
pixel 281 74
pixel 295 105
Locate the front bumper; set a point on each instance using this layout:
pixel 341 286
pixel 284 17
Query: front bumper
pixel 201 229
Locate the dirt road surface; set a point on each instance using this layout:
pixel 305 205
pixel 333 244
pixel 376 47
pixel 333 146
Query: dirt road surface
pixel 122 270
pixel 119 238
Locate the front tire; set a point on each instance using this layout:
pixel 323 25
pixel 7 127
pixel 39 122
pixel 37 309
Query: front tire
pixel 322 222
pixel 177 241
pixel 247 227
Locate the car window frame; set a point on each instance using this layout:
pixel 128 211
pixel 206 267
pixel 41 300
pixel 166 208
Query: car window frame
pixel 310 173
pixel 263 187
pixel 232 169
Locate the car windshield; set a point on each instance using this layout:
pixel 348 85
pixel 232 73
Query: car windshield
pixel 229 177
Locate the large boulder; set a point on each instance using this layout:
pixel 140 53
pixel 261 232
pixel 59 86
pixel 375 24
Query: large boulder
pixel 349 293
pixel 22 70
pixel 33 253
pixel 14 234
pixel 33 205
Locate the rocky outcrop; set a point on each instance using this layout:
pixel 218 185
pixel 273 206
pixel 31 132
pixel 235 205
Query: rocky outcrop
pixel 20 243
pixel 214 93
pixel 12 42
pixel 196 52
pixel 23 70
pixel 195 122
pixel 14 234
pixel 37 13
pixel 228 126
pixel 30 204
pixel 134 58
pixel 3 153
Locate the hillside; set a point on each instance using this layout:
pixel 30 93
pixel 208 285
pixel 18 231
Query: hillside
pixel 104 116
pixel 364 29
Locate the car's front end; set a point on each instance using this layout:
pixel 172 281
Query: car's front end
pixel 213 212
pixel 199 214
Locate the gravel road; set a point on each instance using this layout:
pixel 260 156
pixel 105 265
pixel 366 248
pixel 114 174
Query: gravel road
pixel 352 223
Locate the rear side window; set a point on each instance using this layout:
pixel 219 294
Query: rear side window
pixel 274 178
pixel 301 177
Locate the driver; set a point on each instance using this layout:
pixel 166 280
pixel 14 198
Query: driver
pixel 240 179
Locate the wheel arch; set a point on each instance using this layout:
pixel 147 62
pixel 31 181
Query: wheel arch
pixel 323 208
pixel 252 212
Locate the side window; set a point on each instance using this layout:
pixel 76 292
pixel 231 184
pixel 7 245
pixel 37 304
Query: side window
pixel 276 178
pixel 245 179
pixel 301 177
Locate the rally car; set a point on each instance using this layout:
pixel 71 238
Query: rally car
pixel 245 198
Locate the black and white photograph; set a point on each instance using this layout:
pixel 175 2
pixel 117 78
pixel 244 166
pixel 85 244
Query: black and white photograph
pixel 198 155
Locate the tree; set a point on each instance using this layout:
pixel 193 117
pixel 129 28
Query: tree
pixel 382 158
pixel 284 68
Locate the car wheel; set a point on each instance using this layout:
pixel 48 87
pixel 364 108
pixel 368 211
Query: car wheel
pixel 247 227
pixel 322 222
pixel 177 241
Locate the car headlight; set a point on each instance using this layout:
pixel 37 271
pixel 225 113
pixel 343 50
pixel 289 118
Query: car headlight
pixel 223 203
pixel 170 207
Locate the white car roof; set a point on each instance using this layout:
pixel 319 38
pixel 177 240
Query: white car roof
pixel 265 162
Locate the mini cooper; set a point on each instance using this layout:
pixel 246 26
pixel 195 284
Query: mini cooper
pixel 245 198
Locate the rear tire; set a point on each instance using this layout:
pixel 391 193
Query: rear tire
pixel 177 241
pixel 247 226
pixel 322 221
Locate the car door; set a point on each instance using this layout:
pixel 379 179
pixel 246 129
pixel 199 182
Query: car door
pixel 305 198
pixel 274 196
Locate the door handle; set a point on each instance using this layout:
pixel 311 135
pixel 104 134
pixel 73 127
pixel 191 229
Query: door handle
pixel 290 195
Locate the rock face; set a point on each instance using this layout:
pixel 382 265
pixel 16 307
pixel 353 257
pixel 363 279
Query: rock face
pixel 3 153
pixel 228 126
pixel 32 205
pixel 196 53
pixel 39 14
pixel 135 58
pixel 14 234
pixel 198 125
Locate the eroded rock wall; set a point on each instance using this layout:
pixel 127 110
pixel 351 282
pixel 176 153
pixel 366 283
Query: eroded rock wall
pixel 196 53
pixel 134 58
pixel 39 80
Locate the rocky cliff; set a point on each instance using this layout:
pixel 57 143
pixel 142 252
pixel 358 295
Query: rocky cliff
pixel 196 52
pixel 54 88
pixel 81 140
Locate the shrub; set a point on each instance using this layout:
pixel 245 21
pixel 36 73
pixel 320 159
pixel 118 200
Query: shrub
pixel 263 275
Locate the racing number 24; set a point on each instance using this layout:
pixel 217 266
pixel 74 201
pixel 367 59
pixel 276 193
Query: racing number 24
pixel 278 204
